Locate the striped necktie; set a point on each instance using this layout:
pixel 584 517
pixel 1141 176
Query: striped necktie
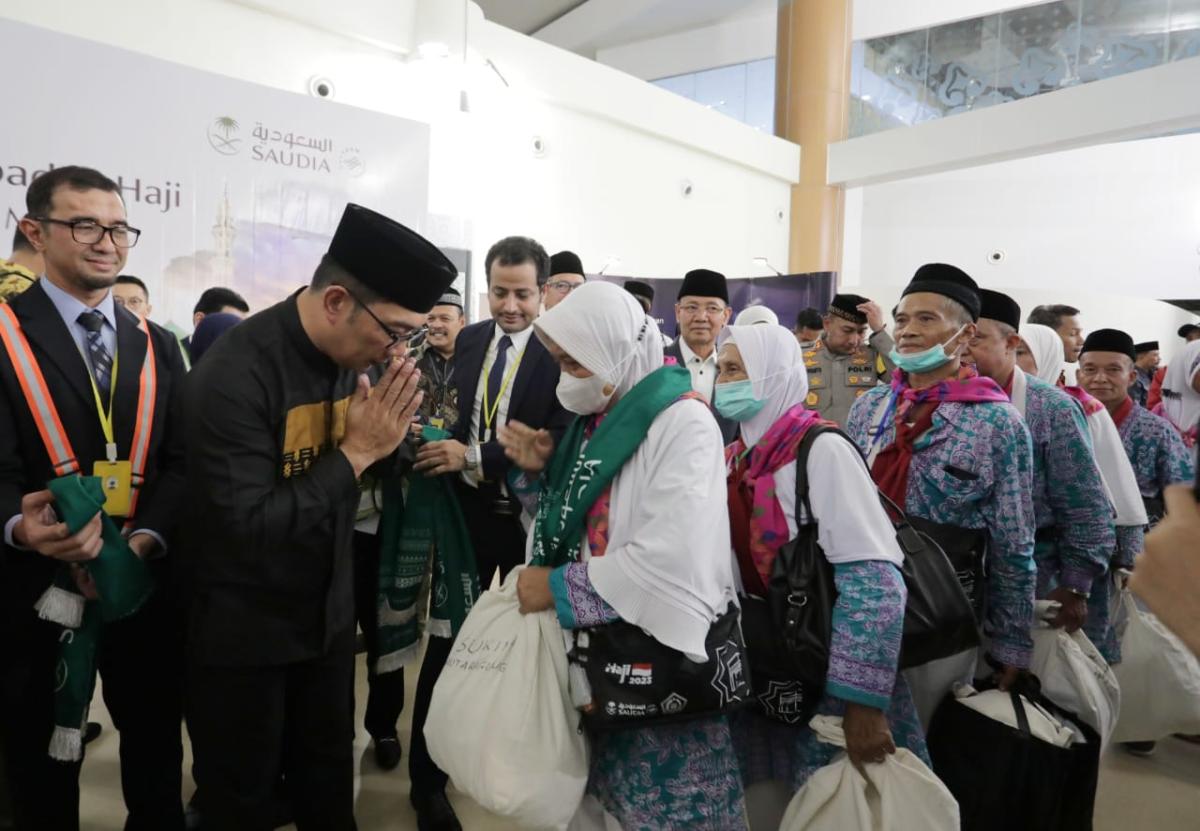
pixel 93 322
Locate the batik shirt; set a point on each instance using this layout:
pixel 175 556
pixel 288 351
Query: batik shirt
pixel 974 469
pixel 1068 493
pixel 1157 453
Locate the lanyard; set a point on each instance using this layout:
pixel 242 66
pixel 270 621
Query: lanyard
pixel 489 413
pixel 106 419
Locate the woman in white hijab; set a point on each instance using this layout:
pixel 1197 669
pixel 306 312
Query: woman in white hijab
pixel 649 548
pixel 762 383
pixel 1181 392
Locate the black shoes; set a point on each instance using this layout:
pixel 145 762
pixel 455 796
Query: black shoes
pixel 434 812
pixel 1139 748
pixel 92 732
pixel 388 752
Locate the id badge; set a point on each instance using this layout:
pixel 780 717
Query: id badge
pixel 116 480
pixel 438 422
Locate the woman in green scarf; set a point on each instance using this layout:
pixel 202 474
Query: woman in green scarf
pixel 632 525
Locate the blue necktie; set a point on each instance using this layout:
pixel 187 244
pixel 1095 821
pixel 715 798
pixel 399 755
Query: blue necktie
pixel 495 379
pixel 101 361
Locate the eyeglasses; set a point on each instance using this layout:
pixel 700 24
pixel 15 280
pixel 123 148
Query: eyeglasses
pixel 90 232
pixel 394 337
pixel 563 286
pixel 711 310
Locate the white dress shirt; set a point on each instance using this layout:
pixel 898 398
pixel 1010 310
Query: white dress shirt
pixel 703 370
pixel 515 352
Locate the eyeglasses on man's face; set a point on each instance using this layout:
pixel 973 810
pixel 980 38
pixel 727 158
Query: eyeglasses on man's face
pixel 394 337
pixel 709 310
pixel 90 232
pixel 563 286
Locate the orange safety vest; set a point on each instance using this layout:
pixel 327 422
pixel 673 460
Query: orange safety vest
pixel 45 413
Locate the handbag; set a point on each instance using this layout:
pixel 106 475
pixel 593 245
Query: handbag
pixel 636 680
pixel 1004 771
pixel 788 631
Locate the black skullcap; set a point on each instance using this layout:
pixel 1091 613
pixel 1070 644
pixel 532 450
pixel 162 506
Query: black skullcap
pixel 846 306
pixel 565 262
pixel 999 307
pixel 1187 329
pixel 395 262
pixel 1147 346
pixel 1109 340
pixel 948 281
pixel 704 283
pixel 639 289
pixel 450 297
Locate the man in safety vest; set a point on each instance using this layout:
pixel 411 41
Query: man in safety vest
pixel 87 390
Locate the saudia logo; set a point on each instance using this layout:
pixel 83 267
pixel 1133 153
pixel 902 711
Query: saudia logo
pixel 284 149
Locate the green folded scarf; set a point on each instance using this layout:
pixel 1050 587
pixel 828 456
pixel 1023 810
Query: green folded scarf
pixel 123 584
pixel 424 529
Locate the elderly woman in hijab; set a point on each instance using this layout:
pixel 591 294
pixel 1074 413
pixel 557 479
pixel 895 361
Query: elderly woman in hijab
pixel 642 540
pixel 1043 356
pixel 762 383
pixel 1181 393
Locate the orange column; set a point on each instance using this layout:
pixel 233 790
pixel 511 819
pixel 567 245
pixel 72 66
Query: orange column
pixel 812 88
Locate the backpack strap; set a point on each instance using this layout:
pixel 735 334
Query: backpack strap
pixel 802 451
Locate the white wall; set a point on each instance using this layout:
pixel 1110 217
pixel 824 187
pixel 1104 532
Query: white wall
pixel 1111 229
pixel 875 18
pixel 617 150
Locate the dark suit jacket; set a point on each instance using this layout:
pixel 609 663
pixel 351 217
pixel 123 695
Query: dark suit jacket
pixel 24 464
pixel 729 428
pixel 534 399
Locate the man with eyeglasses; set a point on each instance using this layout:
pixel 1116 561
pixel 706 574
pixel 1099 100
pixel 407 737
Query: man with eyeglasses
pixel 111 384
pixel 702 310
pixel 282 424
pixel 131 292
pixel 502 373
pixel 566 275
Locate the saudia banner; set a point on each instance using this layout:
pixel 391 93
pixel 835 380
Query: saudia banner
pixel 232 184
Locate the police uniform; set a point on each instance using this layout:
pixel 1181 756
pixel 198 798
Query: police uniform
pixel 835 382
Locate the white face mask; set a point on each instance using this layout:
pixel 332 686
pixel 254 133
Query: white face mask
pixel 583 396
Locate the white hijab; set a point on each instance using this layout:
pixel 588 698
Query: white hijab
pixel 604 328
pixel 668 567
pixel 1047 349
pixel 756 314
pixel 775 364
pixel 1181 402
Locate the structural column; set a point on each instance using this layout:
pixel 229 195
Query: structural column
pixel 812 95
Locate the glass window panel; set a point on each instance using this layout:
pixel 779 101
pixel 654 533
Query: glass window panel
pixel 760 95
pixel 1039 49
pixel 1121 36
pixel 684 85
pixel 964 65
pixel 894 78
pixel 724 90
pixel 1184 41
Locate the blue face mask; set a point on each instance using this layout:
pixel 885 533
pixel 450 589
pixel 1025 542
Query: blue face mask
pixel 935 357
pixel 735 400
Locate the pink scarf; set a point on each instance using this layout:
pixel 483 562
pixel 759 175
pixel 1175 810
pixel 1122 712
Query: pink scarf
pixel 968 386
pixel 1090 405
pixel 752 483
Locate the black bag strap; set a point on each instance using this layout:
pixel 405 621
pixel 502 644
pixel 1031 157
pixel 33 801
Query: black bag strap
pixel 802 452
pixel 1019 709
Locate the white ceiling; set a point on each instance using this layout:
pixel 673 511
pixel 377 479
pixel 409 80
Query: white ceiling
pixel 586 26
pixel 526 16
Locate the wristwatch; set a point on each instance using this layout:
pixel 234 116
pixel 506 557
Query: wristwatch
pixel 472 461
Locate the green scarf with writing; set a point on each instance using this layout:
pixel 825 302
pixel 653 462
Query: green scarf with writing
pixel 583 467
pixel 422 530
pixel 123 584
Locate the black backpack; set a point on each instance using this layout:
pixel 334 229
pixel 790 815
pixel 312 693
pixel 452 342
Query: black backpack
pixel 788 632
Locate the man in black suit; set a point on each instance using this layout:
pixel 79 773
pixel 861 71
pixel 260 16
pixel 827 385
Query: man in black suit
pixel 87 348
pixel 701 310
pixel 503 374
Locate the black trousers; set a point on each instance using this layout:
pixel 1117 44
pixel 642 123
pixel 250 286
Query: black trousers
pixel 385 693
pixel 251 724
pixel 499 543
pixel 140 664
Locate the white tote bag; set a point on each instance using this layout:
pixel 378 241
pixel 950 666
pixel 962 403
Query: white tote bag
pixel 900 794
pixel 1075 676
pixel 501 724
pixel 1159 678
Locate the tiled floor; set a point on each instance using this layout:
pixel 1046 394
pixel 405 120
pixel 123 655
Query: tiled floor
pixel 1161 792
